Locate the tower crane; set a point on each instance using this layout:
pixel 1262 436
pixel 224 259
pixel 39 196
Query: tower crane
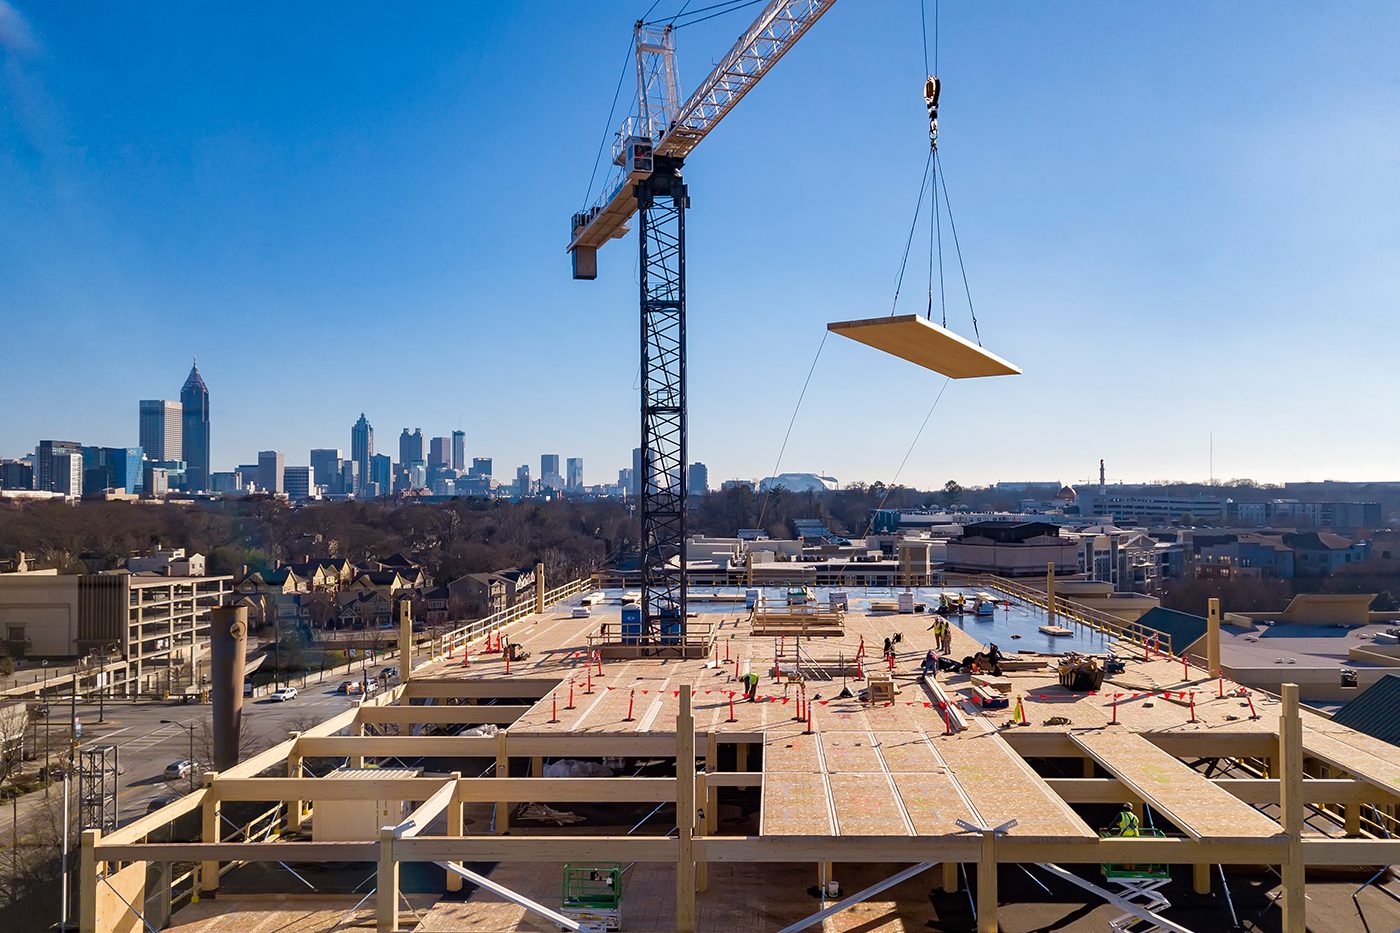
pixel 651 149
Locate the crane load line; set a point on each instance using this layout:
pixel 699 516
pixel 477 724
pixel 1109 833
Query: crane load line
pixel 915 338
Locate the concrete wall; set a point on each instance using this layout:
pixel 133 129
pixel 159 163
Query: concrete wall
pixel 47 609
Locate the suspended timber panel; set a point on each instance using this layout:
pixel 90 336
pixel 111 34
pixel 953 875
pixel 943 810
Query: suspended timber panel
pixel 1185 796
pixel 923 343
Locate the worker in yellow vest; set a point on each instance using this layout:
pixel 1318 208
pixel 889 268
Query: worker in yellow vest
pixel 1127 823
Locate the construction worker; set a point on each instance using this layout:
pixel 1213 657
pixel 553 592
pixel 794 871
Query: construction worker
pixel 930 664
pixel 945 636
pixel 1127 823
pixel 750 682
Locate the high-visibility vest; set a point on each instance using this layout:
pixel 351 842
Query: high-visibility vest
pixel 1127 824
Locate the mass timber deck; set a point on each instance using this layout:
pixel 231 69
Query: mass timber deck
pixel 834 779
pixel 922 342
pixel 1202 809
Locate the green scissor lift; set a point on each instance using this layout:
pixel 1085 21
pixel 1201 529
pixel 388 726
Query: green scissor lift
pixel 592 891
pixel 1139 883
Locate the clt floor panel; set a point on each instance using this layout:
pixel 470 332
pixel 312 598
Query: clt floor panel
pixel 1185 796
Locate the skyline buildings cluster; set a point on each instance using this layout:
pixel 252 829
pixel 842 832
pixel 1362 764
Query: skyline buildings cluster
pixel 172 455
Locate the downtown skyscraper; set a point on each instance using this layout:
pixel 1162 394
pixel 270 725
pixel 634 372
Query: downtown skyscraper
pixel 362 448
pixel 194 418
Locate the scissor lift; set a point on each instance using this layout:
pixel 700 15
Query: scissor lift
pixel 1140 884
pixel 592 894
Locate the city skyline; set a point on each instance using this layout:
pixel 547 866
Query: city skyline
pixel 1160 218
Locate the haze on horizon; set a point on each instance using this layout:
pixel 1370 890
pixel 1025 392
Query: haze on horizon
pixel 1179 220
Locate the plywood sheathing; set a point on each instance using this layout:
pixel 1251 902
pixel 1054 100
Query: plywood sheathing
pixel 1185 796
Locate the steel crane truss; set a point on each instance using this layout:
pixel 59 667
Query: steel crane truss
pixel 662 201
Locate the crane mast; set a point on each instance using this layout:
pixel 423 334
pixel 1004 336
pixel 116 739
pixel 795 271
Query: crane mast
pixel 649 154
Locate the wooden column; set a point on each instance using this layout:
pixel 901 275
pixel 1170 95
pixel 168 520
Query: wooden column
pixel 537 766
pixel 539 587
pixel 1213 638
pixel 1049 604
pixel 456 826
pixel 405 641
pixel 1088 767
pixel 1200 878
pixel 209 871
pixel 502 770
pixel 685 813
pixel 1353 818
pixel 386 895
pixel 88 881
pixel 710 805
pixel 164 904
pixel 1290 734
pixel 294 770
pixel 950 877
pixel 987 885
pixel 357 761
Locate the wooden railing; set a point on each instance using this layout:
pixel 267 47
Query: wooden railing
pixel 450 641
pixel 1069 609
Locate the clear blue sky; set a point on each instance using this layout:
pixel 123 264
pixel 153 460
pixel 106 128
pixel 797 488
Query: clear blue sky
pixel 1178 218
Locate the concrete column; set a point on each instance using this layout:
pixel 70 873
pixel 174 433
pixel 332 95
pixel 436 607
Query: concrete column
pixel 456 826
pixel 502 770
pixel 209 871
pixel 987 885
pixel 386 895
pixel 87 881
pixel 1290 733
pixel 539 587
pixel 1213 638
pixel 405 641
pixel 1200 878
pixel 685 814
pixel 1049 598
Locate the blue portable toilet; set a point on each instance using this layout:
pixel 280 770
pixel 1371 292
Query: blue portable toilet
pixel 631 624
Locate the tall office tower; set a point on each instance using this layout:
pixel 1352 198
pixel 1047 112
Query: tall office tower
pixel 270 471
pixel 411 446
pixel 350 482
pixel 637 477
pixel 459 450
pixel 160 429
pixel 522 480
pixel 481 466
pixel 381 471
pixel 362 448
pixel 439 452
pixel 16 474
pixel 297 480
pixel 698 480
pixel 549 463
pixel 61 467
pixel 325 467
pixel 194 431
pixel 575 478
pixel 112 468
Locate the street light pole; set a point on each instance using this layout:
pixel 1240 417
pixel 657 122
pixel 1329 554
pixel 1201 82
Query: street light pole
pixel 190 730
pixel 102 685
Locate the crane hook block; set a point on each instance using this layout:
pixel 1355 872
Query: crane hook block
pixel 931 89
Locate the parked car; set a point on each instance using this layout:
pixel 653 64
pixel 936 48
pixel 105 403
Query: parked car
pixel 283 695
pixel 350 687
pixel 247 688
pixel 178 769
pixel 159 802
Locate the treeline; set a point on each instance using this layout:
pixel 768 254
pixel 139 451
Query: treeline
pixel 448 538
pixel 844 511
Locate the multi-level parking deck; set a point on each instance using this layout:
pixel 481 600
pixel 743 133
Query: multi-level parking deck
pixel 806 784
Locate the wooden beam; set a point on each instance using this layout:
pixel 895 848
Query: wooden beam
pixel 440 746
pixel 329 788
pixel 569 790
pixel 1255 791
pixel 498 714
pixel 427 811
pixel 240 852
pixel 502 688
pixel 537 849
pixel 134 832
pixel 734 779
